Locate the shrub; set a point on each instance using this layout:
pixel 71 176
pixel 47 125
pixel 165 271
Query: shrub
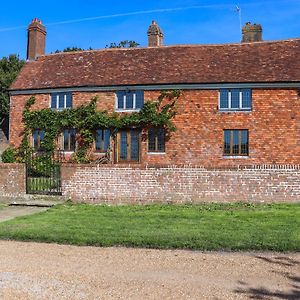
pixel 9 155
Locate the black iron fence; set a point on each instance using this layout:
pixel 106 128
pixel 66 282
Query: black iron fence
pixel 43 173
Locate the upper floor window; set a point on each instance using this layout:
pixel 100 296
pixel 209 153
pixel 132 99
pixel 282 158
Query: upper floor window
pixel 61 101
pixel 236 142
pixel 129 100
pixel 102 139
pixel 156 140
pixel 235 99
pixel 37 137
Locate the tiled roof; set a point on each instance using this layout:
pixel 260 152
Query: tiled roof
pixel 277 61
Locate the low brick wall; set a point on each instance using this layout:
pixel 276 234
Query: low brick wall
pixel 173 184
pixel 12 181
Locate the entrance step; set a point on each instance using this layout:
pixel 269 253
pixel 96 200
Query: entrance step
pixel 35 201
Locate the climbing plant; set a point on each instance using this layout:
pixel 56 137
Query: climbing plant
pixel 86 119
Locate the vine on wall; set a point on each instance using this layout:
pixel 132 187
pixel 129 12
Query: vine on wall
pixel 86 119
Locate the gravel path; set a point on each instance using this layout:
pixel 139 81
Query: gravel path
pixel 50 271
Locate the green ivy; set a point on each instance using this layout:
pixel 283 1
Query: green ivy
pixel 86 119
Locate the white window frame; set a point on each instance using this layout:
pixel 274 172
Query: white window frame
pixel 240 108
pixel 57 102
pixel 124 109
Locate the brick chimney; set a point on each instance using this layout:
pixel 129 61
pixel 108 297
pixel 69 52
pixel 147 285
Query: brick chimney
pixel 36 39
pixel 252 33
pixel 155 35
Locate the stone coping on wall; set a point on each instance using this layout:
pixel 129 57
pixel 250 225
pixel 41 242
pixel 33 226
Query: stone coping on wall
pixel 185 166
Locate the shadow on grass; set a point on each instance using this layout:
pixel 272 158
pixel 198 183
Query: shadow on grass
pixel 262 293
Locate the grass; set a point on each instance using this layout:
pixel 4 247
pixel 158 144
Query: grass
pixel 205 227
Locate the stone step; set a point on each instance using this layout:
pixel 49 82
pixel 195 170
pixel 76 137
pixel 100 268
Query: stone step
pixel 34 200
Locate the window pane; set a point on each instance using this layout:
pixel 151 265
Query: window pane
pixel 244 142
pixel 235 98
pixel 246 98
pixel 129 100
pixel 120 98
pixel 235 141
pixel 134 145
pixel 106 139
pixel 35 139
pixel 151 139
pixel 123 145
pixel 72 139
pixel 66 140
pixel 161 140
pixel 53 100
pixel 61 102
pixel 42 135
pixel 224 98
pixel 139 100
pixel 69 100
pixel 99 139
pixel 226 141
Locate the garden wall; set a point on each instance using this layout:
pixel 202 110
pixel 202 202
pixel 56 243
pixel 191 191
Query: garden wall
pixel 12 181
pixel 173 184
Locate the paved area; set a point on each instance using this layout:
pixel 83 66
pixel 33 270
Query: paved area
pixel 11 212
pixel 50 271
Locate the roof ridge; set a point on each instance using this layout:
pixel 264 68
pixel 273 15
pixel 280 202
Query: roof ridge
pixel 171 46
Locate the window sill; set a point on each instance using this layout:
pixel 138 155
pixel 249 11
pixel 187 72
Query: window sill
pixel 156 153
pixel 60 109
pixel 235 110
pixel 127 110
pixel 236 157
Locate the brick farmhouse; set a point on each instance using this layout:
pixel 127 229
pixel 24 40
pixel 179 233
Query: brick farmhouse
pixel 240 103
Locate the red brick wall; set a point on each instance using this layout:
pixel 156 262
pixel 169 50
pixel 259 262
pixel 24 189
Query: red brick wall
pixel 273 124
pixel 12 180
pixel 134 184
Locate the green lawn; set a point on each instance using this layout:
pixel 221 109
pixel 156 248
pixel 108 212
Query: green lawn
pixel 205 227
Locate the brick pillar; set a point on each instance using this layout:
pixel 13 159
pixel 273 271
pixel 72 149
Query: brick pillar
pixel 36 39
pixel 155 35
pixel 252 33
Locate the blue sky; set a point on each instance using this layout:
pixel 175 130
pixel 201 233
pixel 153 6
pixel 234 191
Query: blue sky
pixel 183 22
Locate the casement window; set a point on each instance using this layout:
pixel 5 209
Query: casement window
pixel 102 139
pixel 236 142
pixel 69 139
pixel 156 140
pixel 129 100
pixel 61 101
pixel 37 137
pixel 235 99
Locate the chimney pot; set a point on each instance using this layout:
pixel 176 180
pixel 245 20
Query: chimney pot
pixel 36 41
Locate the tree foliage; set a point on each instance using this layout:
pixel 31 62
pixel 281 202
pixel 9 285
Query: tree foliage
pixel 123 44
pixel 72 49
pixel 9 69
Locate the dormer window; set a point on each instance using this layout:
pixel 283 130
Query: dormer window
pixel 235 100
pixel 61 101
pixel 129 100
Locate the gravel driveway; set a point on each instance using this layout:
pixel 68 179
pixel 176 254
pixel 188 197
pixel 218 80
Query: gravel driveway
pixel 50 271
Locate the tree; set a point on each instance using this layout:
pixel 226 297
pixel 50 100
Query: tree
pixel 123 44
pixel 9 69
pixel 72 49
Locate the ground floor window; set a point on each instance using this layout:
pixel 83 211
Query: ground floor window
pixel 102 140
pixel 69 139
pixel 37 137
pixel 156 140
pixel 236 142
